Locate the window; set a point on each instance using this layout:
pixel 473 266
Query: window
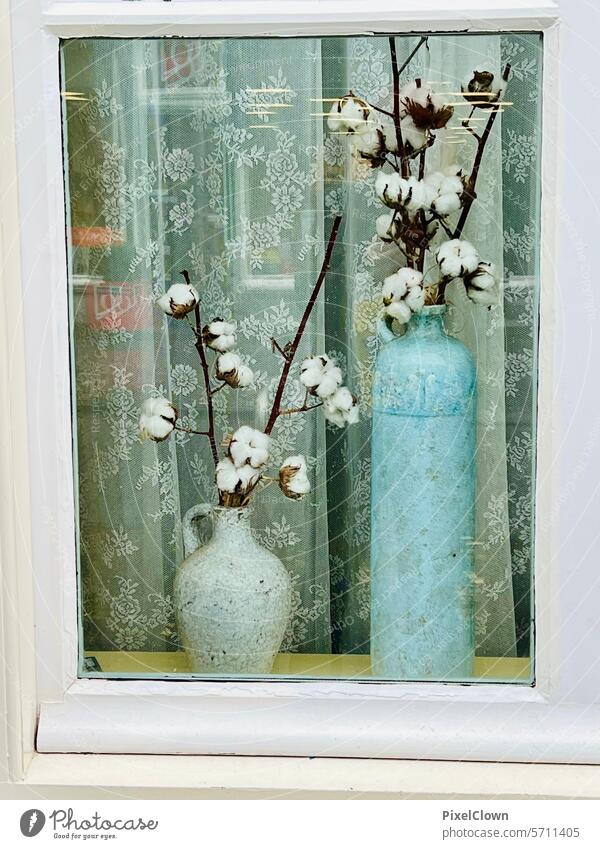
pixel 221 158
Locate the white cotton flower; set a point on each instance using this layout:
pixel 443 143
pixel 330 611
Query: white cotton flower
pixel 412 136
pixel 249 446
pixel 389 189
pixel 482 297
pixel 320 375
pixel 428 109
pixel 415 298
pixel 178 300
pixel 158 418
pixel 451 185
pixel 248 476
pixel 396 286
pixel 293 480
pixel 232 370
pixel 446 204
pixel 219 335
pixel 435 179
pixel 400 311
pixel 481 284
pixel 349 114
pixel 484 89
pixel 227 475
pixel 387 227
pixel 456 258
pixel 341 408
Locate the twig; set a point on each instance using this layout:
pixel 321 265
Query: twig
pixel 470 188
pixel 275 346
pixel 302 326
pixel 302 409
pixel 189 430
pixel 404 167
pixel 218 389
pixel 384 111
pixel 423 40
pixel 199 345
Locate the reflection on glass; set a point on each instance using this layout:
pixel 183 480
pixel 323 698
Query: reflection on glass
pixel 232 160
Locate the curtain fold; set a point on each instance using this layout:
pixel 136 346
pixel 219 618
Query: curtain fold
pixel 209 155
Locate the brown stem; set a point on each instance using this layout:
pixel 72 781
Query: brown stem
pixel 470 188
pixel 199 345
pixel 189 430
pixel 302 409
pixel 404 167
pixel 275 411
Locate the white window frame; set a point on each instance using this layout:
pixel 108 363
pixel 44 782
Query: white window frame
pixel 554 721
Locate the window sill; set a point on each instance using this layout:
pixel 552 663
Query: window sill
pixel 348 777
pixel 349 666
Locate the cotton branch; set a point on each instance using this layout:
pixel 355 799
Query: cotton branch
pixel 404 167
pixel 470 188
pixel 293 347
pixel 199 345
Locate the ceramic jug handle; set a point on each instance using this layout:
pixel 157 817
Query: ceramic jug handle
pixel 384 330
pixel 191 540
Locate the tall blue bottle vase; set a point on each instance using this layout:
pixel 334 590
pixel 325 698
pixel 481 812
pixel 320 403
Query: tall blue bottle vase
pixel 422 503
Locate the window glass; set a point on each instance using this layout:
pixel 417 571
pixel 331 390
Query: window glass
pixel 388 532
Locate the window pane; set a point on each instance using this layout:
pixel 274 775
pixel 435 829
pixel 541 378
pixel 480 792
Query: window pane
pixel 411 556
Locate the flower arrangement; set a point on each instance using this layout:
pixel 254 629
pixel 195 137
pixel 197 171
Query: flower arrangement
pixel 247 455
pixel 422 203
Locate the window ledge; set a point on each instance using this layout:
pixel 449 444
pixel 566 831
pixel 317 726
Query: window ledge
pixel 349 777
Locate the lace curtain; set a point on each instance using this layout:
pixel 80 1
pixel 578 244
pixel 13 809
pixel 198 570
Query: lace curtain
pixel 176 160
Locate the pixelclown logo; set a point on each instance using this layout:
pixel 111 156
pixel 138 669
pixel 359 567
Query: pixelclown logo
pixel 32 822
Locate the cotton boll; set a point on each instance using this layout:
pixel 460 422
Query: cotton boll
pixel 483 297
pixel 415 298
pixel 349 114
pixel 484 276
pixel 434 179
pixel 396 285
pixel 312 370
pixel 412 136
pixel 341 408
pixel 428 110
pixel 227 363
pixel 157 420
pixel 232 370
pixel 245 377
pixel 227 475
pixel 329 382
pixel 249 446
pixel 446 204
pixel 178 300
pixel 249 476
pixel 429 196
pixel 293 480
pixel 400 311
pixel 456 258
pixel 389 188
pixel 451 184
pixel 219 335
pixel 484 89
pixel 386 227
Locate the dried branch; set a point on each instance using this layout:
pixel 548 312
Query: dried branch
pixel 303 409
pixel 470 187
pixel 275 410
pixel 199 345
pixel 404 167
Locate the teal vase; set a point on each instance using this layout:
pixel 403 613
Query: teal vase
pixel 422 503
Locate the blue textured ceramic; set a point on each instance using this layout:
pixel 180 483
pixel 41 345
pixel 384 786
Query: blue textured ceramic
pixel 422 503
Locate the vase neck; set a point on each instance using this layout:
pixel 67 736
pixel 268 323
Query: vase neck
pixel 231 525
pixel 427 323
